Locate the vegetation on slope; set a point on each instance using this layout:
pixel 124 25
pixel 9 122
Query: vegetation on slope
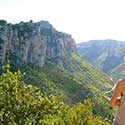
pixel 117 73
pixel 25 104
pixel 76 82
pixel 103 54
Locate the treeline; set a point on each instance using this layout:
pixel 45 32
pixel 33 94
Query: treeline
pixel 22 104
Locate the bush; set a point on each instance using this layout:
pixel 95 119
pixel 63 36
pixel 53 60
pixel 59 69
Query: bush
pixel 22 104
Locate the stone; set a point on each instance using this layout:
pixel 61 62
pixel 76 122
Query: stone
pixel 34 43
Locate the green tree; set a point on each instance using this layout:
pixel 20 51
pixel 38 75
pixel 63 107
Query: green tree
pixel 22 104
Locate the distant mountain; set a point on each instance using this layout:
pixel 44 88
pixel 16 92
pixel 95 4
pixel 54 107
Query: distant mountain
pixel 103 54
pixel 51 62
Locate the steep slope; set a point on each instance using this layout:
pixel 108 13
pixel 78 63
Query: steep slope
pixel 50 61
pixel 34 43
pixel 80 82
pixel 104 54
pixel 22 104
pixel 117 73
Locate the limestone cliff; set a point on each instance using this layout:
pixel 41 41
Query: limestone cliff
pixel 28 42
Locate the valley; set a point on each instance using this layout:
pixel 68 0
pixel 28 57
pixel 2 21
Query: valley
pixel 50 60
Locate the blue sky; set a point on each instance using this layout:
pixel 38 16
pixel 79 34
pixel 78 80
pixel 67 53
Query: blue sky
pixel 83 19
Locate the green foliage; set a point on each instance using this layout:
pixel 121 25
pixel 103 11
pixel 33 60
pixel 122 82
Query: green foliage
pixel 3 22
pixel 25 30
pixel 1 41
pixel 117 73
pixel 22 104
pixel 103 54
pixel 77 82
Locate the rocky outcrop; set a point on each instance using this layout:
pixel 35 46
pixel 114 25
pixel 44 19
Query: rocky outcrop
pixel 29 42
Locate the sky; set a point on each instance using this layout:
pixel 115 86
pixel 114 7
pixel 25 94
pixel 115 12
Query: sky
pixel 84 19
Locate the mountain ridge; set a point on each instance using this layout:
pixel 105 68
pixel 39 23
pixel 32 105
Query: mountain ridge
pixel 104 54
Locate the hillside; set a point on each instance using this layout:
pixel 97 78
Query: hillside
pixel 117 73
pixel 51 63
pixel 22 104
pixel 103 54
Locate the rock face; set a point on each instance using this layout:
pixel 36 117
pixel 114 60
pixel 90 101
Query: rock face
pixel 34 43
